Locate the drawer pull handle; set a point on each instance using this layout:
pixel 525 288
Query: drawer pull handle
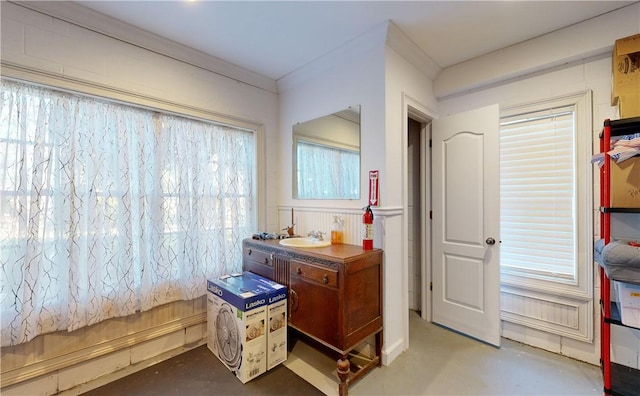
pixel 325 279
pixel 250 251
pixel 298 270
pixel 266 260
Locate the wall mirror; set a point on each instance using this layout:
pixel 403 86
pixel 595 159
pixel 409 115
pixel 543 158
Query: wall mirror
pixel 326 156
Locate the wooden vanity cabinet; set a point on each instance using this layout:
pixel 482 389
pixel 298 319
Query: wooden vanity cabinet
pixel 265 261
pixel 257 261
pixel 314 289
pixel 335 296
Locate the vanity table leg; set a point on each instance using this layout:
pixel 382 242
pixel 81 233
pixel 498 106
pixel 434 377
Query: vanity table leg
pixel 344 368
pixel 379 339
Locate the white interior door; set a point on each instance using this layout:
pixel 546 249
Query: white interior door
pixel 465 237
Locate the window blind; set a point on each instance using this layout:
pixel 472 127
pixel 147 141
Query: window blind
pixel 538 191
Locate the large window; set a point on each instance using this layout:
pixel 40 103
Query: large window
pixel 537 189
pixel 108 209
pixel 545 199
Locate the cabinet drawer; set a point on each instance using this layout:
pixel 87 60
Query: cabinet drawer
pixel 314 273
pixel 257 256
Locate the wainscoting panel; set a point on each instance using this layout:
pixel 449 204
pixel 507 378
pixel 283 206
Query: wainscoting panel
pixel 562 316
pixel 184 322
pixel 321 219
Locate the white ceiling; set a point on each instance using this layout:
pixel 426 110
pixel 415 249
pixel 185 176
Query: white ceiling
pixel 274 38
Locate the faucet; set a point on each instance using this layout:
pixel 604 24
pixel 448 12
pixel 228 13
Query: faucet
pixel 317 235
pixel 289 229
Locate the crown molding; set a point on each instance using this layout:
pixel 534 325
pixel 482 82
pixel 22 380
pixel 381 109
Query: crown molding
pixel 87 18
pixel 409 50
pixel 585 40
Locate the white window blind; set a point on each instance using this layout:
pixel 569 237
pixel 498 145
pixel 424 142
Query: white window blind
pixel 538 193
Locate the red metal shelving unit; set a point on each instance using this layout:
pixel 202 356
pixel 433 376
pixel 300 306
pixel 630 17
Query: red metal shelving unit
pixel 618 380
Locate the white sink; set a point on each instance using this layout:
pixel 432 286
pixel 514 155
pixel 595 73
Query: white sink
pixel 304 243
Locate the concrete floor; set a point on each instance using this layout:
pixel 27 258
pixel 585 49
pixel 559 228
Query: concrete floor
pixel 197 373
pixel 439 362
pixel 442 362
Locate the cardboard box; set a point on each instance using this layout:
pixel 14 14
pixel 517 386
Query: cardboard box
pixel 626 76
pixel 625 183
pixel 276 320
pixel 629 303
pixel 236 324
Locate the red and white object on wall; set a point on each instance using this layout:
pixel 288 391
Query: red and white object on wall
pixel 367 228
pixel 374 188
pixel 367 217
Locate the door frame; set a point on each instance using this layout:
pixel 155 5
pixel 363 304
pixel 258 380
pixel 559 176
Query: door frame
pixel 423 114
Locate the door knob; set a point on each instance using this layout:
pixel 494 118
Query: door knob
pixel 490 241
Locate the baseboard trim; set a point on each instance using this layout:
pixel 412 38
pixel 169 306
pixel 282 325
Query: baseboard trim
pixel 132 369
pixel 390 353
pixel 49 366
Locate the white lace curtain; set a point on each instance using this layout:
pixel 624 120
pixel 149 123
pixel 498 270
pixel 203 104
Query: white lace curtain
pixel 109 209
pixel 327 172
